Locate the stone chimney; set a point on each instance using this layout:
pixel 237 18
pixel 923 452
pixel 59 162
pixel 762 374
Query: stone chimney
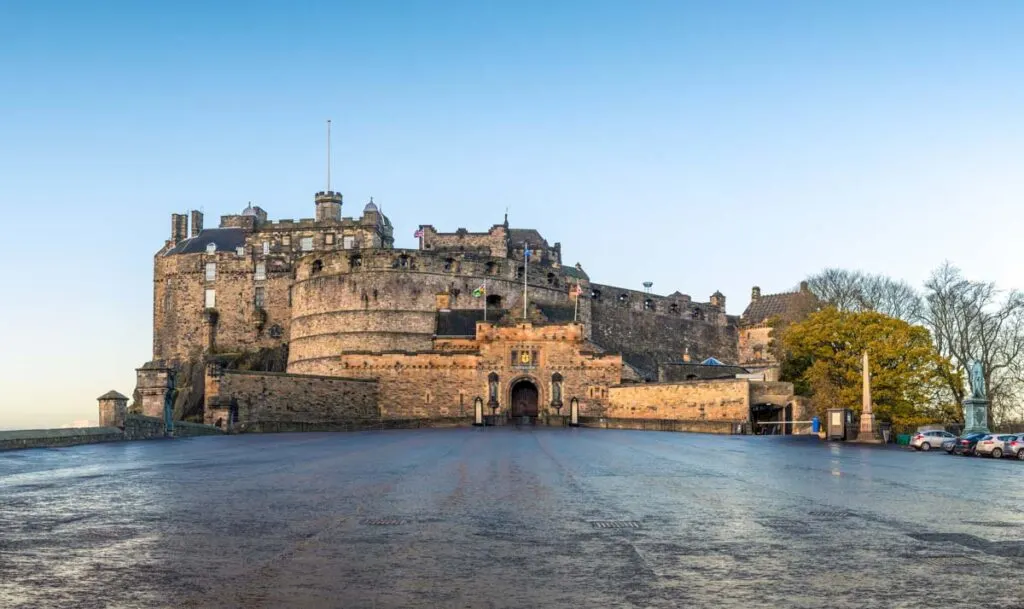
pixel 113 409
pixel 179 228
pixel 197 222
pixel 755 293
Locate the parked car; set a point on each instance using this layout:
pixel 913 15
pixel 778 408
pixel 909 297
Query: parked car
pixel 964 445
pixel 1014 447
pixel 927 440
pixel 992 445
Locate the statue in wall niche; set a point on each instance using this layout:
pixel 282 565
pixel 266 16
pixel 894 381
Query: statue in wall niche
pixel 492 388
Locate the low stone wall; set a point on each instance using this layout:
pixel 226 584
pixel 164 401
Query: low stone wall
pixel 44 438
pixel 696 426
pixel 184 429
pixel 141 427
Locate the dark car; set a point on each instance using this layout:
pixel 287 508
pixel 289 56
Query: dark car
pixel 965 445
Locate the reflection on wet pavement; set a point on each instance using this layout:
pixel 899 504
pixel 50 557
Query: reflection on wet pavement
pixel 505 517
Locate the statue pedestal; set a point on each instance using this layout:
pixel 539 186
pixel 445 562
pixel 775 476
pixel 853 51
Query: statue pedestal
pixel 976 415
pixel 867 435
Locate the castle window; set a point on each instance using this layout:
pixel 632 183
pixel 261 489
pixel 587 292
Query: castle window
pixel 286 240
pixel 306 243
pixel 649 305
pixel 266 248
pixel 211 248
pixel 595 294
pixel 493 301
pixel 403 261
pixel 318 265
pixel 698 314
pixel 349 242
pixel 211 271
pixel 329 238
pixel 355 260
pixel 552 280
pixel 673 308
pixel 260 297
pixel 623 297
pixel 167 295
pixel 449 263
pixel 519 272
pixel 261 271
pixel 240 251
pixel 275 331
pixel 491 268
pixel 211 299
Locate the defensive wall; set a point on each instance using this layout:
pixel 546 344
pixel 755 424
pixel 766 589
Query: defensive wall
pixel 135 427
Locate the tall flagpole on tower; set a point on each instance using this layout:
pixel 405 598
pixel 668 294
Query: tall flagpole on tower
pixel 328 155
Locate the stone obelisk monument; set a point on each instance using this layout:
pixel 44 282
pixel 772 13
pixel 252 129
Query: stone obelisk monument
pixel 867 417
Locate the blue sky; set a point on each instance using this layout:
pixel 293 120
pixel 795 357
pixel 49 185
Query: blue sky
pixel 702 146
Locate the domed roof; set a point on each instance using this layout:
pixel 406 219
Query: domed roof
pixel 249 211
pixel 371 206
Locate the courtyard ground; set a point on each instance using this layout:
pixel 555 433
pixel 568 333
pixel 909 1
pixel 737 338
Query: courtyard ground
pixel 507 517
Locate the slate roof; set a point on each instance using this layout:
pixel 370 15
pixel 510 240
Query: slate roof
pixel 679 371
pixel 226 240
pixel 790 306
pixel 460 322
pixel 112 395
pixel 575 273
pixel 557 313
pixel 516 236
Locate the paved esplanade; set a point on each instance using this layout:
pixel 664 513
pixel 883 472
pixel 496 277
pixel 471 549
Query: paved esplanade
pixel 506 518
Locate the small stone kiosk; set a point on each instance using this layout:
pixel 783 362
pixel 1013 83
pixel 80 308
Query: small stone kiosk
pixel 976 405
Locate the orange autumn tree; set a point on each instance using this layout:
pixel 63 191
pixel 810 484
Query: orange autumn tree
pixel 822 357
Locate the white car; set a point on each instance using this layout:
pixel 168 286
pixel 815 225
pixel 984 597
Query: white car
pixel 927 440
pixel 993 445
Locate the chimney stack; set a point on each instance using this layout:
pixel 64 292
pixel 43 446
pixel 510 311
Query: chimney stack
pixel 179 228
pixel 755 293
pixel 197 222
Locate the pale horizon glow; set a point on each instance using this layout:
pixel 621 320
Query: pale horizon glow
pixel 701 146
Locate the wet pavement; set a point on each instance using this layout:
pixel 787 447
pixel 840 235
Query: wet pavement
pixel 505 517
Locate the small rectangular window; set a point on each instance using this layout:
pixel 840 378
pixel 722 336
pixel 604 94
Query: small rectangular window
pixel 266 248
pixel 211 299
pixel 261 271
pixel 350 242
pixel 307 244
pixel 260 297
pixel 286 241
pixel 329 238
pixel 211 271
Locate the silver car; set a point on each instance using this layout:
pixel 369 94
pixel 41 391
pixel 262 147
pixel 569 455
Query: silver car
pixel 993 445
pixel 1014 447
pixel 927 440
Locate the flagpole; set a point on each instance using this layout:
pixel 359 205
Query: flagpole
pixel 526 272
pixel 485 298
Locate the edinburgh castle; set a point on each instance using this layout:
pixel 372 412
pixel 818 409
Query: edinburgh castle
pixel 261 324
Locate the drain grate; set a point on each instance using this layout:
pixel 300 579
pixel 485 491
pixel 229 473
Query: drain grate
pixel 382 522
pixel 615 524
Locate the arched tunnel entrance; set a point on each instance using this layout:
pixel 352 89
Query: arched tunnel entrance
pixel 524 399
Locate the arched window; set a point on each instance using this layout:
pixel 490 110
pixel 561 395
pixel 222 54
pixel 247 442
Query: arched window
pixel 318 265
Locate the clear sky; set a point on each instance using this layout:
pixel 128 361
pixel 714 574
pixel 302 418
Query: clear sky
pixel 702 146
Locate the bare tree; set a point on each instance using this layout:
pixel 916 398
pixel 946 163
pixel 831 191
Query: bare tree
pixel 856 291
pixel 973 320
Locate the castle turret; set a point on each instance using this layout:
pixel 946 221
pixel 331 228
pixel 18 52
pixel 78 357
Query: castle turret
pixel 328 206
pixel 718 300
pixel 113 409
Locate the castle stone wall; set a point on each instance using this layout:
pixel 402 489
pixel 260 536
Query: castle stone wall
pixel 290 398
pixel 718 400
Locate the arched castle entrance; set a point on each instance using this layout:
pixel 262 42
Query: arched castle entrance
pixel 524 398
